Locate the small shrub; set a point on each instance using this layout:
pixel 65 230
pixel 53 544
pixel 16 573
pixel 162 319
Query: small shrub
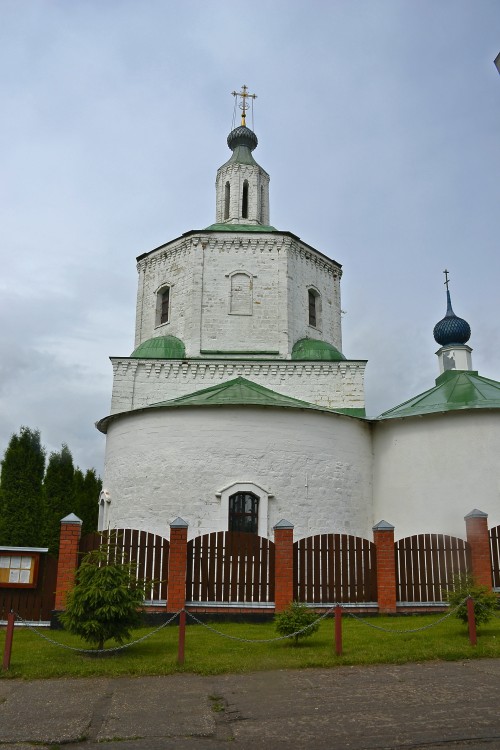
pixel 297 617
pixel 485 600
pixel 105 602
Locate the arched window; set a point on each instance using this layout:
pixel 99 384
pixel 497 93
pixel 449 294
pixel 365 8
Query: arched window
pixel 261 214
pixel 244 202
pixel 243 512
pixel 162 305
pixel 228 497
pixel 314 307
pixel 227 198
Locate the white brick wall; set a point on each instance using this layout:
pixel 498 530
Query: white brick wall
pixel 199 269
pixel 258 193
pixel 173 462
pixel 139 383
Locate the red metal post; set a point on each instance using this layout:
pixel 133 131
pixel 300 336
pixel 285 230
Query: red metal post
pixel 9 636
pixel 471 617
pixel 182 637
pixel 338 630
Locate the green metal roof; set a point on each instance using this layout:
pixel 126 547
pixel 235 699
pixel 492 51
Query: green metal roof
pixel 236 392
pixel 242 155
pixel 160 347
pixel 314 349
pixel 241 228
pixel 454 390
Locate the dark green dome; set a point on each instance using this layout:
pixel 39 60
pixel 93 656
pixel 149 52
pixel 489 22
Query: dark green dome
pixel 313 349
pixel 160 347
pixel 242 136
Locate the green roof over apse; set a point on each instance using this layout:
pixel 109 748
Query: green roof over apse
pixel 160 347
pixel 241 228
pixel 314 349
pixel 454 390
pixel 237 392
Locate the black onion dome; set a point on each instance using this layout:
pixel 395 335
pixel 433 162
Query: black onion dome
pixel 242 136
pixel 451 329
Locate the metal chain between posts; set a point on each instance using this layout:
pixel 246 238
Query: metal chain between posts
pixel 114 649
pixel 302 630
pixel 409 630
pixel 261 640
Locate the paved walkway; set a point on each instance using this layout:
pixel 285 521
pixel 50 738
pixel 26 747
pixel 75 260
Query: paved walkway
pixel 432 705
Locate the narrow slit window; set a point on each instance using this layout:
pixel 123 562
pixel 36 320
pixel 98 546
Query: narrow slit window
pixel 313 307
pixel 244 203
pixel 163 306
pixel 227 198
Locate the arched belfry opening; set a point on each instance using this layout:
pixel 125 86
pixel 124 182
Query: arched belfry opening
pixel 227 200
pixel 244 201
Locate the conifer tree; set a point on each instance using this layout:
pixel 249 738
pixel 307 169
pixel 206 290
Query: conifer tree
pixel 58 493
pixel 86 493
pixel 21 506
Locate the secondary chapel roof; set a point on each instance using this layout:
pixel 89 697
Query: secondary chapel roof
pixel 454 390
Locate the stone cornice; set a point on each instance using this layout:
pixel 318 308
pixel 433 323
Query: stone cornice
pixel 155 367
pixel 243 240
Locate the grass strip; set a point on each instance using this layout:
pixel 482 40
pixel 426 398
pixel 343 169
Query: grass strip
pixel 208 653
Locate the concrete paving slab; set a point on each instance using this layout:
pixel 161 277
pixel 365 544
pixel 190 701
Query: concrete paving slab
pixel 419 706
pixel 48 710
pixel 158 707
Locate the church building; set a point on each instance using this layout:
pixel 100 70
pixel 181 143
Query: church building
pixel 238 408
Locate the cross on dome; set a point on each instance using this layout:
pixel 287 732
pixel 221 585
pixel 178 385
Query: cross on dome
pixel 243 105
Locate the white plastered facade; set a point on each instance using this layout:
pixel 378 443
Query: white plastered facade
pixel 238 301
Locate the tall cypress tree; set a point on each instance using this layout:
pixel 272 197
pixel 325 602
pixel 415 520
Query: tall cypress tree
pixel 86 493
pixel 58 492
pixel 21 506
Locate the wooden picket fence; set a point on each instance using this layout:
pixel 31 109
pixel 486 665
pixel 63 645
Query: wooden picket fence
pixel 146 552
pixel 230 566
pixel 427 564
pixel 332 568
pixel 495 555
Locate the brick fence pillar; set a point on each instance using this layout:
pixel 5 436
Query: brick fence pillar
pixel 383 536
pixel 478 537
pixel 177 561
pixel 283 567
pixel 67 563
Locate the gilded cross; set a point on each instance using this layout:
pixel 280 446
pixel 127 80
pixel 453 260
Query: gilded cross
pixel 244 104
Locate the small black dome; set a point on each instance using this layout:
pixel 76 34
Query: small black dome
pixel 451 329
pixel 242 136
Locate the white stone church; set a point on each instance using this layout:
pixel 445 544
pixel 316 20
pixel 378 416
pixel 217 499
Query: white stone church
pixel 237 407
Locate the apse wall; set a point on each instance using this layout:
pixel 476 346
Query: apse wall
pixel 313 468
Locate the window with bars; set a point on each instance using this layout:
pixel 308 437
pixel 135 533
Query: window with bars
pixel 243 512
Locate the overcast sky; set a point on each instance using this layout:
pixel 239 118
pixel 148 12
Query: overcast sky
pixel 378 121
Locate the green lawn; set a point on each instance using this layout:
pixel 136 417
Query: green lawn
pixel 209 653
